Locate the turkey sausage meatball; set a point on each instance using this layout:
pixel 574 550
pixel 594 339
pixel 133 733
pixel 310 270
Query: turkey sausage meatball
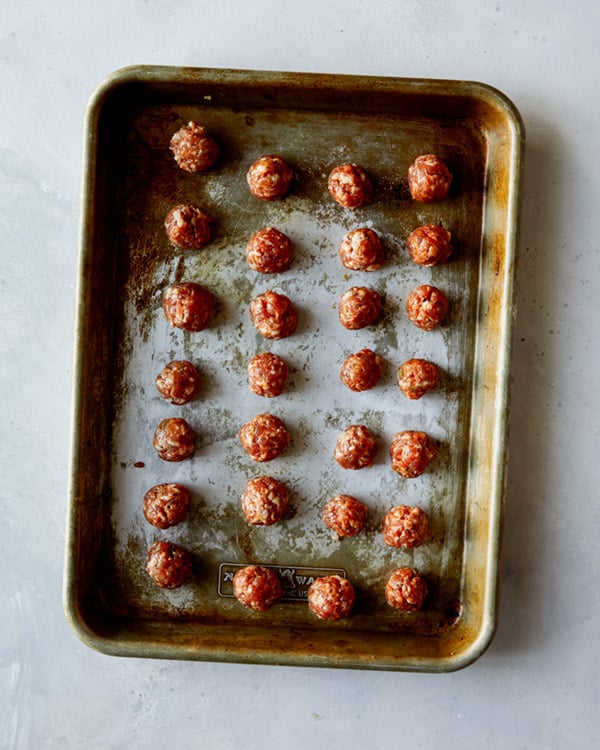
pixel 429 245
pixel 405 526
pixel 166 505
pixel 269 251
pixel 267 375
pixel 426 307
pixel 188 305
pixel 174 439
pixel 331 597
pixel 193 149
pixel 178 382
pixel 350 186
pixel 429 179
pixel 264 438
pixel 269 178
pixel 406 590
pixel 359 307
pixel 274 315
pixel 168 564
pixel 361 250
pixel 416 377
pixel 345 515
pixel 362 370
pixel 187 227
pixel 257 587
pixel 411 452
pixel 355 448
pixel 264 501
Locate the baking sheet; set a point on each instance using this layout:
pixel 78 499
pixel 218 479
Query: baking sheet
pixel 315 123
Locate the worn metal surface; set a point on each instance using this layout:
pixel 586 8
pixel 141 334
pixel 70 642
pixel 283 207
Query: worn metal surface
pixel 131 180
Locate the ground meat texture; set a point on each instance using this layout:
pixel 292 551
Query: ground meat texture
pixel 355 448
pixel 193 149
pixel 345 515
pixel 267 375
pixel 264 438
pixel 188 306
pixel 350 186
pixel 273 315
pixel 411 453
pixel 178 382
pixel 269 251
pixel 257 587
pixel 429 179
pixel 265 500
pixel 359 307
pixel 187 227
pixel 406 590
pixel 361 250
pixel 429 245
pixel 405 526
pixel 174 439
pixel 416 377
pixel 166 505
pixel 269 178
pixel 169 565
pixel 331 597
pixel 426 307
pixel 361 371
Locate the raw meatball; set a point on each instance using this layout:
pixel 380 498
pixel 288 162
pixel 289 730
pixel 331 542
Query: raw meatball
pixel 355 448
pixel 345 515
pixel 269 251
pixel 187 227
pixel 193 149
pixel 269 178
pixel 361 250
pixel 429 245
pixel 257 587
pixel 264 437
pixel 188 306
pixel 359 307
pixel 406 590
pixel 168 564
pixel 273 315
pixel 166 505
pixel 417 377
pixel 331 597
pixel 429 179
pixel 267 375
pixel 350 186
pixel 426 307
pixel 361 371
pixel 412 452
pixel 178 382
pixel 405 526
pixel 174 439
pixel 264 501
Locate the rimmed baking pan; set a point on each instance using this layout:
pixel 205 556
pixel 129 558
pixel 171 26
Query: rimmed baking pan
pixel 123 341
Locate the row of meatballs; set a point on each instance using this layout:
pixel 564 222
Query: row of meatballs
pixel 270 177
pixel 179 381
pixel 259 587
pixel 189 306
pixel 270 251
pixel 265 437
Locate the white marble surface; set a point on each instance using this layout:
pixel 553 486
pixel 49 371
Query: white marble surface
pixel 538 685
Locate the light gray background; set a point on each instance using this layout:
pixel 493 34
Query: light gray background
pixel 538 685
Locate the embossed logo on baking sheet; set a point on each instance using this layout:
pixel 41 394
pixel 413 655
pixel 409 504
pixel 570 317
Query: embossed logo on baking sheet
pixel 295 579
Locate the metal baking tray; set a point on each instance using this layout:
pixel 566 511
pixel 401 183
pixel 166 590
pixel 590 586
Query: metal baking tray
pixel 122 341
